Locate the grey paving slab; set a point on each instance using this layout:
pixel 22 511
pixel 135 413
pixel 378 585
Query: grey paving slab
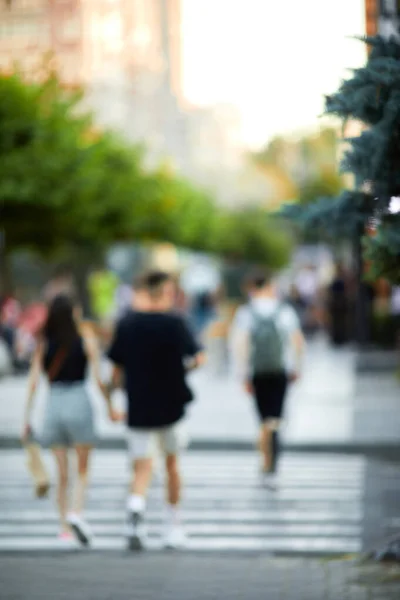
pixel 382 502
pixel 180 577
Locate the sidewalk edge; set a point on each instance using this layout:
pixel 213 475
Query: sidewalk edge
pixel 384 450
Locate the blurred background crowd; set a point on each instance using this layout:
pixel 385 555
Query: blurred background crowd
pixel 322 290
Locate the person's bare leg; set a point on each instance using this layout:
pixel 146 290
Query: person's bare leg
pixel 265 447
pixel 175 535
pixel 173 480
pixel 61 456
pixel 82 457
pixel 267 444
pixel 142 471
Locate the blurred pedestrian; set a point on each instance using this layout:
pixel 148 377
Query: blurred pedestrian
pixel 267 346
pixel 299 304
pixel 395 311
pixel 307 286
pixel 103 285
pixel 9 318
pixel 61 284
pixel 30 323
pixel 181 301
pixel 152 350
pixel 338 305
pixel 64 354
pixel 123 300
pixel 203 311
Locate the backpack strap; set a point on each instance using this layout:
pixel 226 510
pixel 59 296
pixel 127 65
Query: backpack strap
pixel 57 363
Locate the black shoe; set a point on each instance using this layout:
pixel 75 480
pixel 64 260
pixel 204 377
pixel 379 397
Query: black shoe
pixel 136 533
pixel 80 529
pixel 274 451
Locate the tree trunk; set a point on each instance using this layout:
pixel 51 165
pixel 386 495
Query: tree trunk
pixel 363 300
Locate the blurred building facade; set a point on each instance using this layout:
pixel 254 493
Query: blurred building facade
pixel 128 56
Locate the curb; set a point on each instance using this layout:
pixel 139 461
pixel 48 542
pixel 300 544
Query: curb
pixel 373 450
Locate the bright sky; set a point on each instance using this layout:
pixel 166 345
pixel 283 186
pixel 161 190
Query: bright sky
pixel 273 59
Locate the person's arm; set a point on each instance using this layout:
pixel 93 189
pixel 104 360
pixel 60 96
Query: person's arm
pixel 34 377
pixel 116 354
pixel 193 354
pixel 93 354
pixel 196 361
pixel 115 382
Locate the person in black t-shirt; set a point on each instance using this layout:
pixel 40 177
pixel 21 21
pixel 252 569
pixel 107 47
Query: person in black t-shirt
pixel 152 351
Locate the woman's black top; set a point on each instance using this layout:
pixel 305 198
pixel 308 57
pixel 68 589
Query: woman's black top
pixel 74 365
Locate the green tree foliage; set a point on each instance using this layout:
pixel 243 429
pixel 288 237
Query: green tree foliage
pixel 371 96
pixel 251 235
pixel 60 183
pixel 64 185
pixel 307 164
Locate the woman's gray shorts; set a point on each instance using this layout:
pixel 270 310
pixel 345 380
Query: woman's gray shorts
pixel 68 419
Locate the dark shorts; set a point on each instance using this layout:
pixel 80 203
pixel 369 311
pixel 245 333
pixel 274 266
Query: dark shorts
pixel 270 392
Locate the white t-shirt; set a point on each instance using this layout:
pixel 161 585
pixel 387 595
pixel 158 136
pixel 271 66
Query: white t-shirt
pixel 287 321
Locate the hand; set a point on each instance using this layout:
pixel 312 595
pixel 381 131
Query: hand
pixel 294 376
pixel 248 387
pixel 116 416
pixel 26 431
pixel 106 391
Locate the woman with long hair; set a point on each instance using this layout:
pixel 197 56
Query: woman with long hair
pixel 65 353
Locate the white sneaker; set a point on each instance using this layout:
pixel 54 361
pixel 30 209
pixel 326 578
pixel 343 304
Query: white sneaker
pixel 269 480
pixel 175 537
pixel 136 531
pixel 80 529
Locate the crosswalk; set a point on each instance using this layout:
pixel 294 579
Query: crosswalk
pixel 316 508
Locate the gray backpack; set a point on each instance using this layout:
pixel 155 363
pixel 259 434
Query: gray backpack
pixel 267 347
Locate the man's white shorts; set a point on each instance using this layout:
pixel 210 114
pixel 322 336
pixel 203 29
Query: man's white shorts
pixel 147 443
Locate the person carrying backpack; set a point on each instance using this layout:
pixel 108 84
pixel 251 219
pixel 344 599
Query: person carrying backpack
pixel 267 345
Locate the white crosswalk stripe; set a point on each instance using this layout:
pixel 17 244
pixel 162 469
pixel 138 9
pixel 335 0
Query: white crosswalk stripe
pixel 317 506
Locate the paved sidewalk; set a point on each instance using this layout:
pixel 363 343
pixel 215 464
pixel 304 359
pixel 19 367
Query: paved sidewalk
pixel 180 577
pixel 328 407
